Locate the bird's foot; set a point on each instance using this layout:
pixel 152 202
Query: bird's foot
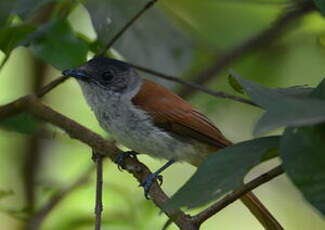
pixel 120 159
pixel 150 179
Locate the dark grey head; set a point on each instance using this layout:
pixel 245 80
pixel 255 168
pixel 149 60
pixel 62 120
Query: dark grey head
pixel 105 73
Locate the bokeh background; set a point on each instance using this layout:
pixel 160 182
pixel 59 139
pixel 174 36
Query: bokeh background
pixel 34 167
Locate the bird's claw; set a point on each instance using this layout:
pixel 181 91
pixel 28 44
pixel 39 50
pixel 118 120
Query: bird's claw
pixel 147 183
pixel 120 159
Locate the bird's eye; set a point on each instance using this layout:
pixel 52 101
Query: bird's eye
pixel 107 76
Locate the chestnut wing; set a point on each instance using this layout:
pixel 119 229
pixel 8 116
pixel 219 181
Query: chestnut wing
pixel 172 113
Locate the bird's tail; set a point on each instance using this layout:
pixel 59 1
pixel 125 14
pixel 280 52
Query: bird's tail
pixel 260 212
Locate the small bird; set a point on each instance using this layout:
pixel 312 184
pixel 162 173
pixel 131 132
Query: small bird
pixel 150 119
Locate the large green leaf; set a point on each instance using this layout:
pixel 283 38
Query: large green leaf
pixel 22 123
pixel 153 41
pixel 12 36
pixel 303 155
pixel 57 44
pixel 284 108
pixel 222 172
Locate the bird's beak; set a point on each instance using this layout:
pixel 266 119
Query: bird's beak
pixel 76 73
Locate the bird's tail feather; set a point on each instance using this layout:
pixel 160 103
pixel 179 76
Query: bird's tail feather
pixel 260 212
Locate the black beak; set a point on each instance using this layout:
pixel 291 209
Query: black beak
pixel 76 73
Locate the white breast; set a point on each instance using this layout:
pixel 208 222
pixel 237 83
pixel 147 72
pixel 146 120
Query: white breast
pixel 134 129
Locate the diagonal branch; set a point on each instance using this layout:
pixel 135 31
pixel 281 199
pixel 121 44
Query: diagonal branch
pixel 126 26
pixel 101 146
pixel 259 41
pixel 227 200
pixel 32 105
pixel 47 88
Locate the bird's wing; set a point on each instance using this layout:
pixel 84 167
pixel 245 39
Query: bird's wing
pixel 172 113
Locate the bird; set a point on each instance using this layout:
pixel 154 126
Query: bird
pixel 148 118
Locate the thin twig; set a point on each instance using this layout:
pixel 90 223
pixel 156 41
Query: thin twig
pixel 126 26
pixel 227 200
pixel 194 85
pixel 99 190
pixel 220 94
pixel 33 149
pixel 259 41
pixel 38 218
pixel 47 88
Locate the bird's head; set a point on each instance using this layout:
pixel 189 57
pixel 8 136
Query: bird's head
pixel 106 75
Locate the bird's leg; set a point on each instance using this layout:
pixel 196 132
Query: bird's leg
pixel 120 159
pixel 153 176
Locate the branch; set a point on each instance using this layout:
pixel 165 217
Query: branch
pixel 126 26
pixel 33 106
pixel 259 41
pixel 38 218
pixel 33 148
pixel 227 200
pixel 99 189
pixel 214 93
pixel 47 88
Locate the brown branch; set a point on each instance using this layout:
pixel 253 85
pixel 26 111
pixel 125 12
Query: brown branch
pixel 227 200
pixel 32 151
pixel 47 88
pixel 259 41
pixel 99 190
pixel 32 105
pixel 38 218
pixel 126 26
pixel 137 169
pixel 211 92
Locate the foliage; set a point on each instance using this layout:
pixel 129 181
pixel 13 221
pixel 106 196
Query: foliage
pixel 175 37
pixel 301 147
pixel 210 182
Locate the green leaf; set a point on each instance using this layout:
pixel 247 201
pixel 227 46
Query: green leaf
pixel 12 36
pixel 22 123
pixel 283 109
pixel 222 172
pixel 153 41
pixel 233 82
pixel 295 91
pixel 302 152
pixel 320 5
pixel 57 44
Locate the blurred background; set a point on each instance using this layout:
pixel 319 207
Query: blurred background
pixel 36 166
